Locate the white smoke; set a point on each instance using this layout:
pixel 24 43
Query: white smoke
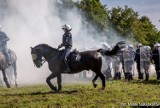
pixel 31 22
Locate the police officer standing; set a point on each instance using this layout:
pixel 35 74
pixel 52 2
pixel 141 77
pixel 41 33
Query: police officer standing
pixel 3 44
pixel 67 43
pixel 156 59
pixel 138 60
pixel 130 62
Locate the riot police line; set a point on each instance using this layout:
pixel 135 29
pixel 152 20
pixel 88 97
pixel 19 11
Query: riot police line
pixel 131 62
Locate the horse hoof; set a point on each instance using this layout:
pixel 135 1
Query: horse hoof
pixel 55 89
pixel 95 85
pixel 8 86
pixel 103 88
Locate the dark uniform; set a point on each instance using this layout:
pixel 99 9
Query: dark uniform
pixel 67 43
pixel 156 59
pixel 3 44
pixel 138 61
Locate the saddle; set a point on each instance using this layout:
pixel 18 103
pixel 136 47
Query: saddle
pixel 73 56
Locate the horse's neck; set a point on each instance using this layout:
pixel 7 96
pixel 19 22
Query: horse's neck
pixel 50 54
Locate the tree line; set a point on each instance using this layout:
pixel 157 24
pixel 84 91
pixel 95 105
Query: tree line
pixel 124 20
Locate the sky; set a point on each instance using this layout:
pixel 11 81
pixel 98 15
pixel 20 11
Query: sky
pixel 149 8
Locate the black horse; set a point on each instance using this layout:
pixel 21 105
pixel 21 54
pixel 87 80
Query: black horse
pixel 89 60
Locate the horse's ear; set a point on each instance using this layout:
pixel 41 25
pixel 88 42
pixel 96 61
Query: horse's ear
pixel 31 48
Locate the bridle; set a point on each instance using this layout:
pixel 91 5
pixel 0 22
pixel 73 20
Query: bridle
pixel 37 59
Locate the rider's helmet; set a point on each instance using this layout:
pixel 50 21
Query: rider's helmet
pixel 67 27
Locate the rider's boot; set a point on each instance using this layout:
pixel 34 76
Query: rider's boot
pixel 67 69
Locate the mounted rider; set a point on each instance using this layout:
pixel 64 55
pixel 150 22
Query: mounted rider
pixel 3 44
pixel 67 43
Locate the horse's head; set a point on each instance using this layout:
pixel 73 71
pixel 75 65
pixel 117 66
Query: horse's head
pixel 36 56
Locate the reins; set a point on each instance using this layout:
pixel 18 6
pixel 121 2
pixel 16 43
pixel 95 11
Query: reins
pixel 43 61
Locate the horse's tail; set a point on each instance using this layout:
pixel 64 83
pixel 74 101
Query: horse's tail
pixel 118 47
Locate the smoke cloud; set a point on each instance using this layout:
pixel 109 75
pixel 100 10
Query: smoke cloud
pixel 28 23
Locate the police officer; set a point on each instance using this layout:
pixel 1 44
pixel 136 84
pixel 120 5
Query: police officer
pixel 138 61
pixel 147 61
pixel 3 44
pixel 108 62
pixel 156 59
pixel 130 62
pixel 67 43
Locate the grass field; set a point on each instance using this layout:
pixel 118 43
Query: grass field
pixel 117 94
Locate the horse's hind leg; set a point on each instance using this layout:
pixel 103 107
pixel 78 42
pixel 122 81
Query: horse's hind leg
pixel 48 80
pixel 15 73
pixel 103 80
pixel 94 81
pixel 59 80
pixel 5 79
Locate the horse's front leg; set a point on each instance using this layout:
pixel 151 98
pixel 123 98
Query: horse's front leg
pixel 48 80
pixel 5 79
pixel 59 81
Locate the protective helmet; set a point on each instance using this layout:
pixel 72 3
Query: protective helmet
pixel 67 27
pixel 147 47
pixel 156 45
pixel 130 46
pixel 139 45
pixel 106 46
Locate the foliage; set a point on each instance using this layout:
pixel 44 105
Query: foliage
pixel 82 95
pixel 127 23
pixel 122 20
pixel 95 14
pixel 145 32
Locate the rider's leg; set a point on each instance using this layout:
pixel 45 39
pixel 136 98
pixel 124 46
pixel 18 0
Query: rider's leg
pixel 66 53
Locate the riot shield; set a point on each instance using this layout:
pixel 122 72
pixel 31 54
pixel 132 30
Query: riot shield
pixel 128 61
pixel 145 53
pixel 145 57
pixel 116 67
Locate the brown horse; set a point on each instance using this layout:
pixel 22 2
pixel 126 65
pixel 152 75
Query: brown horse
pixel 3 66
pixel 89 60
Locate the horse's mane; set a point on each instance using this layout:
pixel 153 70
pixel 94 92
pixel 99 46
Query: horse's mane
pixel 46 46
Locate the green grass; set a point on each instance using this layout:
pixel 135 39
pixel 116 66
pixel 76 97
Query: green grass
pixel 116 94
